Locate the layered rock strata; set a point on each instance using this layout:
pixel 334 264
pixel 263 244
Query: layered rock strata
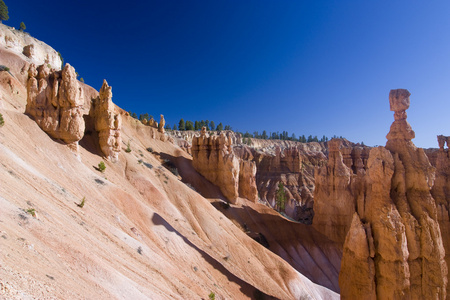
pixel 108 122
pixel 394 248
pixel 55 101
pixel 213 158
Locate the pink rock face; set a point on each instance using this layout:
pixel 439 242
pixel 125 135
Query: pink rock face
pixel 108 123
pixel 55 101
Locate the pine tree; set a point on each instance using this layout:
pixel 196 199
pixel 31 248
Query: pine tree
pixel 3 11
pixel 264 135
pixel 212 125
pixel 174 127
pixel 281 197
pixel 197 125
pixel 189 125
pixel 22 26
pixel 2 122
pixel 182 125
pixel 219 127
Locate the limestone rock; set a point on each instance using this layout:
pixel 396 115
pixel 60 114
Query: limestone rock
pixel 108 122
pixel 55 101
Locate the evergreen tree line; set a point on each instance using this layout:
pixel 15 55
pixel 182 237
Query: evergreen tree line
pixel 185 125
pixel 285 136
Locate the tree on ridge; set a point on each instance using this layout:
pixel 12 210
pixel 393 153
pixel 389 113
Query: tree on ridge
pixel 3 11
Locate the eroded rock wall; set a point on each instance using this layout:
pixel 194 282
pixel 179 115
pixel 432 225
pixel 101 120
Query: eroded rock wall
pixel 213 158
pixel 399 218
pixel 294 167
pixel 334 195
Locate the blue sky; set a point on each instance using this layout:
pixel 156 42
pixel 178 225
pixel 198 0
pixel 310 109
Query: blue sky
pixel 307 67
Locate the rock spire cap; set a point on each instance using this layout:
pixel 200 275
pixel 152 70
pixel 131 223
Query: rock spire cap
pixel 399 99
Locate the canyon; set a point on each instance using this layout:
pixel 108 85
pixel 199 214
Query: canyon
pixel 183 215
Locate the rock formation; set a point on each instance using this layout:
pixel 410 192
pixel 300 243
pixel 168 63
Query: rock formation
pixel 213 158
pixel 441 193
pixel 334 202
pixel 108 122
pixel 162 122
pixel 294 167
pixel 55 101
pixel 398 217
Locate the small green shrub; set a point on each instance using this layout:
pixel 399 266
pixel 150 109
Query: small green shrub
pixel 101 167
pixel 4 68
pixel 212 296
pixel 128 150
pixel 82 79
pixel 150 149
pixel 2 122
pixel 81 204
pixel 32 212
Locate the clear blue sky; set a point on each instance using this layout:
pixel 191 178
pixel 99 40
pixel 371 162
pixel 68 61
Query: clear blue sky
pixel 307 67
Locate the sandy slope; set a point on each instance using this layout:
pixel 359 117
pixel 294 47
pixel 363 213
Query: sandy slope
pixel 142 234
